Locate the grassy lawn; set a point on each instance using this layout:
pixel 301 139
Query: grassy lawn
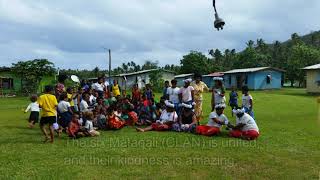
pixel 289 147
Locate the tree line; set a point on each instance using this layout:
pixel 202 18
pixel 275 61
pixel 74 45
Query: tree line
pixel 291 56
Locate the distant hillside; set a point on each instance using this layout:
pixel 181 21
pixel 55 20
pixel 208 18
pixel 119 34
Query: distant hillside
pixel 311 39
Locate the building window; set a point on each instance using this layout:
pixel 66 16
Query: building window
pixel 230 80
pixel 246 80
pixel 6 83
pixel 268 79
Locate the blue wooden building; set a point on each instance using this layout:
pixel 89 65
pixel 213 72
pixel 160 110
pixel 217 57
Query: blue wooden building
pixel 182 77
pixel 208 79
pixel 255 78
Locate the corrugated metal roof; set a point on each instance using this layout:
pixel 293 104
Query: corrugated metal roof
pixel 216 74
pixel 248 70
pixel 183 75
pixel 316 66
pixel 144 71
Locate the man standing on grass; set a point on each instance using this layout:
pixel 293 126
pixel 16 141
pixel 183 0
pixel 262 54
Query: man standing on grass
pixel 48 103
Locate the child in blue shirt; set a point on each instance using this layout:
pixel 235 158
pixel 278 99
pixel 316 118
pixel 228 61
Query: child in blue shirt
pixel 233 99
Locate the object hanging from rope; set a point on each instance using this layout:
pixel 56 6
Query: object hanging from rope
pixel 218 23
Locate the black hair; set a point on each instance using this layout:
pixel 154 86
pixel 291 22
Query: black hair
pixel 69 89
pixel 75 113
pixel 158 105
pixel 174 81
pixel 48 88
pixel 33 98
pixel 197 75
pixel 166 82
pixel 63 96
pixel 245 88
pixel 99 98
pixel 84 95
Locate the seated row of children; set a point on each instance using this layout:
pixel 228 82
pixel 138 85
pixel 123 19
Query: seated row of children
pixel 107 113
pixel 245 127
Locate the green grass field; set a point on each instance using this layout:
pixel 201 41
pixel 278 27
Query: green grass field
pixel 289 147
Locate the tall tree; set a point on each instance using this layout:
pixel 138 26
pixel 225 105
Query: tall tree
pixel 301 55
pixel 150 65
pixel 32 72
pixel 96 72
pixel 194 62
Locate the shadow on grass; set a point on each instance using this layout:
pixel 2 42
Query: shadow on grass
pixel 292 93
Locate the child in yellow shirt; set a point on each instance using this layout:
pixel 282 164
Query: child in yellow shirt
pixel 48 103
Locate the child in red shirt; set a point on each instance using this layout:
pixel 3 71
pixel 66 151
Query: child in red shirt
pixel 74 130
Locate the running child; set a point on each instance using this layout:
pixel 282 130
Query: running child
pixel 48 103
pixel 35 110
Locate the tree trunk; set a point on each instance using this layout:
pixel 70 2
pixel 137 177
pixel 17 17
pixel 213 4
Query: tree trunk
pixel 292 83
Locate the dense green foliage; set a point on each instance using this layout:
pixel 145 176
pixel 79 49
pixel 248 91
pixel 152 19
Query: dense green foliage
pixel 291 56
pixel 288 147
pixel 32 72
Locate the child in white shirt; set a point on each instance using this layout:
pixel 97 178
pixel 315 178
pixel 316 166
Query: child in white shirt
pixel 89 129
pixel 64 111
pixel 245 127
pixel 216 120
pixel 167 119
pixel 35 111
pixel 186 93
pixel 247 101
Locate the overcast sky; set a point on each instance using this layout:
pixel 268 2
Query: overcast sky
pixel 72 33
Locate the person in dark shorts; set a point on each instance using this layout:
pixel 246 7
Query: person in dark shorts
pixel 34 108
pixel 48 103
pixel 233 99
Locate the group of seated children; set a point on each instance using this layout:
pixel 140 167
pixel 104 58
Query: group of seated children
pixel 245 127
pixel 84 112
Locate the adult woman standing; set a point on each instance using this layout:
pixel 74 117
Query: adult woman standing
pixel 199 88
pixel 218 92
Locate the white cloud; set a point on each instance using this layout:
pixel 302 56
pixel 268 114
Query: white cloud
pixel 72 33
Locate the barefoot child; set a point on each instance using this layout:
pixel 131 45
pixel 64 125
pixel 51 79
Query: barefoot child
pixel 216 120
pixel 247 101
pixel 34 108
pixel 48 103
pixel 167 118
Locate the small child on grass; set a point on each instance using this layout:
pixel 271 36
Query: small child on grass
pixel 247 101
pixel 89 129
pixel 35 110
pixel 233 99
